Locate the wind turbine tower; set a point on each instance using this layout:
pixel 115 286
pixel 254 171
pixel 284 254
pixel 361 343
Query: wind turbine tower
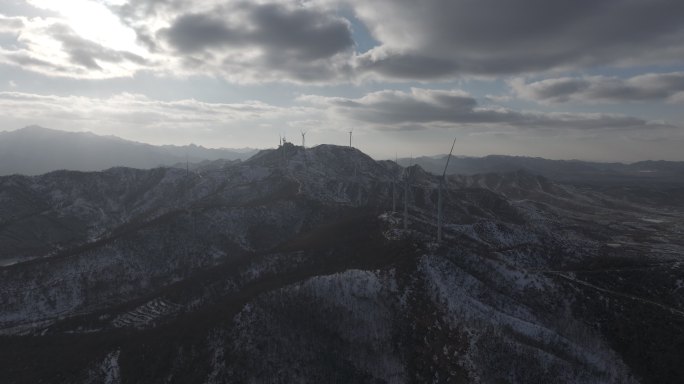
pixel 350 138
pixel 442 182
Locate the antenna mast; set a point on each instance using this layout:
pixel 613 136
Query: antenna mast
pixel 442 182
pixel 350 138
pixel 283 141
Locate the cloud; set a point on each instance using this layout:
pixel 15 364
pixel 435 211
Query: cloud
pixel 138 116
pixel 247 41
pixel 590 89
pixel 427 108
pixel 10 24
pixel 445 38
pixel 303 33
pixel 52 47
pixel 241 41
pixel 87 53
pixel 261 41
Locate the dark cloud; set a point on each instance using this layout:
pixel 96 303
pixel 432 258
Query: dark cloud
pixel 249 41
pixel 309 34
pixel 281 34
pixel 196 32
pixel 442 38
pixel 426 108
pixel 648 87
pixel 408 66
pixel 421 106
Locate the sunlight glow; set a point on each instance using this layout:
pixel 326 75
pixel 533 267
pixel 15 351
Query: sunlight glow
pixel 93 21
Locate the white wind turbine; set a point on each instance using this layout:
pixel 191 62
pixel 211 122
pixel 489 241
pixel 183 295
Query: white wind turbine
pixel 394 186
pixel 442 182
pixel 303 138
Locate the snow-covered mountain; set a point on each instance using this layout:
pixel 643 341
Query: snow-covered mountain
pixel 36 150
pixel 294 266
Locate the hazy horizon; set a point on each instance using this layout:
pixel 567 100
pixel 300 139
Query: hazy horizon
pixel 341 143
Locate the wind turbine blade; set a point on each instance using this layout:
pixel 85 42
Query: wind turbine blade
pixel 448 158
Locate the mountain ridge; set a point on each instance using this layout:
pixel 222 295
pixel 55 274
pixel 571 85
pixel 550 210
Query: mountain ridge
pixel 35 150
pixel 559 170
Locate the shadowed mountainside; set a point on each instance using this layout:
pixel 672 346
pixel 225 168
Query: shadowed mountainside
pixel 293 266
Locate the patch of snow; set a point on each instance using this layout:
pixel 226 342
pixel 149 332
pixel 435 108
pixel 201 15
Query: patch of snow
pixel 110 368
pixel 146 314
pixel 655 221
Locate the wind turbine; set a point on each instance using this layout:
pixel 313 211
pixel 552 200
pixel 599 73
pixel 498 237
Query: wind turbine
pixel 442 182
pixel 303 138
pixel 350 137
pixel 394 187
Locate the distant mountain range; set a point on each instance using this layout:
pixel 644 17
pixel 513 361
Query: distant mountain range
pixel 559 170
pixel 35 150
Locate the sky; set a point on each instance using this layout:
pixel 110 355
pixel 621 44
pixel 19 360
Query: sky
pixel 561 79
